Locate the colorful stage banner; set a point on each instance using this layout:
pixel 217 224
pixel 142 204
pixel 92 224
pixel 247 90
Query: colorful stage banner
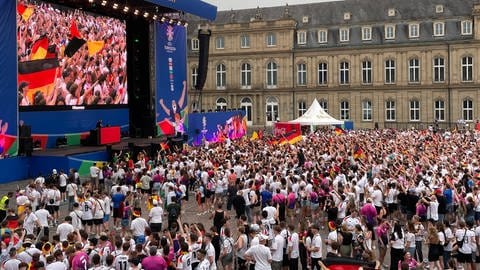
pixel 8 78
pixel 216 127
pixel 171 78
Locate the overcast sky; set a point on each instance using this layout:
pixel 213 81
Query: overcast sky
pixel 244 4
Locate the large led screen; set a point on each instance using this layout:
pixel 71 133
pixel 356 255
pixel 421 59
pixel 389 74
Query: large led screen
pixel 69 58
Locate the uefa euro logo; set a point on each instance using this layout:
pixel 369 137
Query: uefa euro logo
pixel 170 33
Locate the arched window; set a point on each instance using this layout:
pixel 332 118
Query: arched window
pixel 271 110
pixel 221 104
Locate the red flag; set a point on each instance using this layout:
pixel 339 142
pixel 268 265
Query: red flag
pixel 166 128
pixel 74 33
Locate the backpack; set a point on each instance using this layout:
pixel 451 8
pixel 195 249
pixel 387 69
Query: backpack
pixel 173 213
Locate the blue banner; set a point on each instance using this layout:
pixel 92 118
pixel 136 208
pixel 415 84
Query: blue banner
pixel 216 127
pixel 171 78
pixel 8 78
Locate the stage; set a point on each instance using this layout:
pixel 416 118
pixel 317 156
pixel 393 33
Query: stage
pixel 80 158
pixel 124 144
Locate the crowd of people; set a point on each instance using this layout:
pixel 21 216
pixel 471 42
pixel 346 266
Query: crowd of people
pixel 82 79
pixel 330 199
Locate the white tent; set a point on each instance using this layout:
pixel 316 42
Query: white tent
pixel 316 116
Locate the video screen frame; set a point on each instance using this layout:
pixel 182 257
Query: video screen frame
pixel 69 58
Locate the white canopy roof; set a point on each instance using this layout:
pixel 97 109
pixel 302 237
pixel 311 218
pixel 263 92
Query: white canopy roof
pixel 315 115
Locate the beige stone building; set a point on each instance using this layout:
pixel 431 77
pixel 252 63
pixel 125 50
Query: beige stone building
pixel 394 63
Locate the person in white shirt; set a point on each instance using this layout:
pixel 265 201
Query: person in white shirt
pixel 210 249
pixel 277 246
pixel 30 221
pixel 43 217
pixel 98 213
pixel 316 247
pixel 71 190
pixel 155 217
pixel 397 244
pixel 467 238
pixel 204 262
pixel 76 215
pixel 94 171
pixel 87 217
pixel 260 254
pixel 432 210
pixel 293 242
pixel 59 263
pixel 62 185
pixel 12 262
pixel 65 228
pixel 107 204
pixel 138 226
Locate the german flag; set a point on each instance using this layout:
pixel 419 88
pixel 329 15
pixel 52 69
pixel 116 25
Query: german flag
pixel 39 49
pixel 358 152
pixel 73 46
pixel 339 131
pixel 39 74
pixel 94 47
pixel 25 11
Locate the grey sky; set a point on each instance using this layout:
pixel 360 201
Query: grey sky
pixel 244 4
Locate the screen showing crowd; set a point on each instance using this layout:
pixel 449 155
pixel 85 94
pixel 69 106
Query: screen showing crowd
pixel 69 57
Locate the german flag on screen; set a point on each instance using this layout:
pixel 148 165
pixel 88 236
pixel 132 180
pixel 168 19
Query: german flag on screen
pixel 25 11
pixel 39 74
pixel 39 49
pixel 73 46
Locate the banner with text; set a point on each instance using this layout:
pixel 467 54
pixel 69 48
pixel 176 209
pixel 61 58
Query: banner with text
pixel 171 78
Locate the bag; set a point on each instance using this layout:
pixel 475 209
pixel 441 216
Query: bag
pixel 460 243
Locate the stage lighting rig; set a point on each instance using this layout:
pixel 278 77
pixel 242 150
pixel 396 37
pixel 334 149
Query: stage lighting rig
pixel 104 2
pixel 146 14
pixel 126 9
pixel 171 21
pixel 91 1
pixel 155 17
pixel 136 12
pixel 115 6
pixel 163 19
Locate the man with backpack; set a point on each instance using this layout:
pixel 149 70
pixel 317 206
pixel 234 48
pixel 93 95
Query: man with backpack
pixel 174 210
